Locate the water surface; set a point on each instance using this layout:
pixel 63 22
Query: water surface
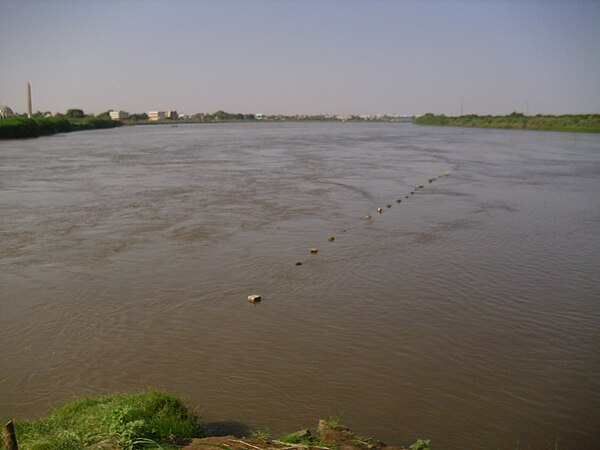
pixel 468 314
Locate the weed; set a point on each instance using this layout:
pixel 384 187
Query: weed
pixel 420 444
pixel 295 438
pixel 334 420
pixel 260 434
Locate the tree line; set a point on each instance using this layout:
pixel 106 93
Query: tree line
pixel 589 123
pixel 40 125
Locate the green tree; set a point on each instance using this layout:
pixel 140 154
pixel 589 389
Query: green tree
pixel 75 113
pixel 103 115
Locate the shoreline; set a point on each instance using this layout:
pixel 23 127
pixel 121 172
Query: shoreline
pixel 26 128
pixel 156 419
pixel 573 123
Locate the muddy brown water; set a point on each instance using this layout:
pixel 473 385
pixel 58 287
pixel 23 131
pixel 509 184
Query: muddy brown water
pixel 468 314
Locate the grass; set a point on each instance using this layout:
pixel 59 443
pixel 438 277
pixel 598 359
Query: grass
pixel 334 420
pixel 420 444
pixel 261 434
pixel 294 438
pixel 149 419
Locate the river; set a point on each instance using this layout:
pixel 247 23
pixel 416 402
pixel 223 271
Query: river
pixel 468 313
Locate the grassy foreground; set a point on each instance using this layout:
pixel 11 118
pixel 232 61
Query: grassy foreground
pixel 584 123
pixel 147 419
pixel 157 420
pixel 23 127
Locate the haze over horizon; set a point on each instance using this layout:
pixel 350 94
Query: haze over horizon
pixel 302 57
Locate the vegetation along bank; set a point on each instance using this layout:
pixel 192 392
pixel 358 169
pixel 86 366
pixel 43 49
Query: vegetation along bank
pixel 19 127
pixel 154 419
pixel 585 123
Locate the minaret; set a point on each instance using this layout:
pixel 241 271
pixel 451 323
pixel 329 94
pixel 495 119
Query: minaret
pixel 28 100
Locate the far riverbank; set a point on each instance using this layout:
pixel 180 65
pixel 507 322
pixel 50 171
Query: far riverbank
pixel 23 127
pixel 581 123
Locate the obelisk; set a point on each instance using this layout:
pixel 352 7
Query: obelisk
pixel 28 100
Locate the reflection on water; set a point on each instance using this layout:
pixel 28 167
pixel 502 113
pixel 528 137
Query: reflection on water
pixel 468 313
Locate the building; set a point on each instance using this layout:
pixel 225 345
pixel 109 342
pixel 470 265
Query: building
pixel 172 115
pixel 156 115
pixel 119 115
pixel 5 112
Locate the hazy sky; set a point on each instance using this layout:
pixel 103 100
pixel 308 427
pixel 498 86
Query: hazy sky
pixel 358 57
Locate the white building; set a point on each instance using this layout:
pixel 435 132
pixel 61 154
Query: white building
pixel 156 115
pixel 119 115
pixel 172 115
pixel 5 112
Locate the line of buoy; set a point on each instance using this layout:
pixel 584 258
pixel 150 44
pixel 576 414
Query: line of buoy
pixel 255 298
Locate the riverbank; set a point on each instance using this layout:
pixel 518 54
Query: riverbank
pixel 154 419
pixel 23 127
pixel 582 123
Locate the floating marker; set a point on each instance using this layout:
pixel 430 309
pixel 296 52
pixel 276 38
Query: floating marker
pixel 368 217
pixel 298 263
pixel 254 298
pixel 379 210
pixel 388 206
pixel 399 200
pixel 314 250
pixel 330 238
pixel 420 186
pixel 447 173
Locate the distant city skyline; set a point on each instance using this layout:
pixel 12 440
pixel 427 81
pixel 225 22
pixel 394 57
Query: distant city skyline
pixel 302 57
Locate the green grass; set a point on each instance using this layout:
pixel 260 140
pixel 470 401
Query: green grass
pixel 420 444
pixel 149 419
pixel 293 438
pixel 260 434
pixel 334 420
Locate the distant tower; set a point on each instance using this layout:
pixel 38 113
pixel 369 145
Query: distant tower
pixel 28 100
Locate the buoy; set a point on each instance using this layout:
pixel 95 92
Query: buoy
pixel 399 200
pixel 254 298
pixel 420 186
pixel 431 180
pixel 412 193
pixel 368 217
pixel 314 250
pixel 298 263
pixel 330 238
pixel 379 210
pixel 388 206
pixel 446 173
